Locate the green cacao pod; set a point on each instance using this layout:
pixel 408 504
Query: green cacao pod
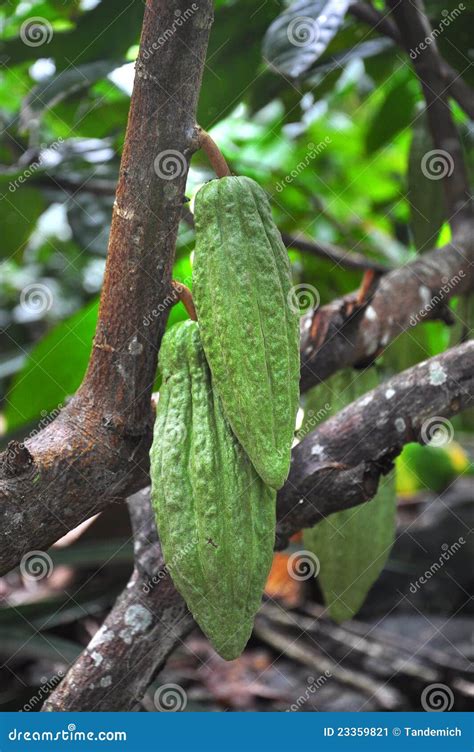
pixel 215 515
pixel 249 327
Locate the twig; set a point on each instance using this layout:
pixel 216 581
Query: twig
pixel 382 22
pixel 414 29
pixel 304 651
pixel 342 333
pixel 186 297
pixel 213 153
pixel 333 253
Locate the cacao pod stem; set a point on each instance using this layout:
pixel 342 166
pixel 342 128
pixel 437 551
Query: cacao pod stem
pixel 186 297
pixel 213 153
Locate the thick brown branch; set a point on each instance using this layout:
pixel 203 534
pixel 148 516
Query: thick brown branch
pixel 97 448
pixel 343 333
pixel 338 465
pixel 335 467
pixel 414 29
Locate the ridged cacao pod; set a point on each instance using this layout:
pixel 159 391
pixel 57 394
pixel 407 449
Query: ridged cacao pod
pixel 249 327
pixel 215 515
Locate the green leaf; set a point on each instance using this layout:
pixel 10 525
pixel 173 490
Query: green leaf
pixel 300 35
pixel 28 644
pixel 233 57
pixel 425 189
pixel 56 88
pixel 353 545
pixel 21 207
pixel 54 369
pixel 395 114
pixel 104 33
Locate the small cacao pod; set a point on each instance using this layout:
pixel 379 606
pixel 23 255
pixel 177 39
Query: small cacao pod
pixel 249 328
pixel 215 515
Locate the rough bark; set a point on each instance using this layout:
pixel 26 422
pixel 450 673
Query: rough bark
pixel 347 333
pixel 84 463
pixel 96 450
pixel 335 467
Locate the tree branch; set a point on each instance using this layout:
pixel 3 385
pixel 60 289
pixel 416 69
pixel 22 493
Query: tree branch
pixel 456 86
pixel 335 467
pixel 330 252
pixel 96 450
pixel 81 478
pixel 415 29
pixel 345 333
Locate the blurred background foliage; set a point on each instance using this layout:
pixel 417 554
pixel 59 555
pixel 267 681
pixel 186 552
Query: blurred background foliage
pixel 337 149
